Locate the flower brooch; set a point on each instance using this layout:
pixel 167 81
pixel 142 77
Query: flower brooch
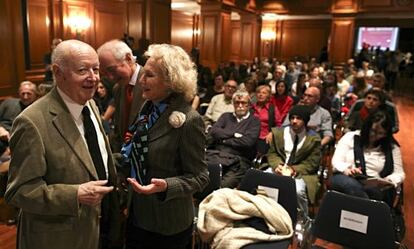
pixel 177 119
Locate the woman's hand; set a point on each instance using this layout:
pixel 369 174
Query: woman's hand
pixel 269 138
pixel 156 186
pixel 352 171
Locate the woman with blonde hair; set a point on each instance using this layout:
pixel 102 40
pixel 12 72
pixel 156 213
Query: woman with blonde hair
pixel 166 153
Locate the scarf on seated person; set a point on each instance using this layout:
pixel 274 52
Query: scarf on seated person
pixel 360 160
pixel 364 113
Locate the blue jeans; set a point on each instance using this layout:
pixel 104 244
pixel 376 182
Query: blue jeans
pixel 351 186
pixel 348 185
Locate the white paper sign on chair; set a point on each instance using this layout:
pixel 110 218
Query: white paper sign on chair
pixel 270 192
pixel 354 221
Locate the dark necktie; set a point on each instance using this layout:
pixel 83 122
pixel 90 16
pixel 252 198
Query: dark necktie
pixel 293 152
pixel 93 145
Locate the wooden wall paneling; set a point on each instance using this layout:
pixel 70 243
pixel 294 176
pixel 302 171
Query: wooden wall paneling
pixel 225 43
pixel 215 34
pixel 78 8
pixel 344 6
pixel 341 40
pixel 247 51
pixel 136 17
pixel 182 30
pixel 250 36
pixel 235 51
pixel 209 36
pixel 387 7
pixel 56 16
pixel 196 29
pixel 110 21
pixel 303 38
pixel 12 65
pixel 39 29
pixel 277 43
pixel 158 21
pixel 385 22
pixel 376 3
pixel 275 6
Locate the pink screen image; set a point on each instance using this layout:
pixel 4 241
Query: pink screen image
pixel 385 37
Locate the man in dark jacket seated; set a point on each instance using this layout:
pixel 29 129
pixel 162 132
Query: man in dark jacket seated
pixel 232 140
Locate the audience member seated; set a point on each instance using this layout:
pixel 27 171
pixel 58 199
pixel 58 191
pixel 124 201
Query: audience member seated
pixel 374 100
pixel 359 85
pixel 43 89
pixel 266 112
pixel 250 85
pixel 277 76
pixel 232 140
pixel 343 84
pixel 214 89
pixel 103 96
pixel 299 87
pixel 220 104
pixel 296 152
pixel 378 83
pixel 331 92
pixel 4 165
pixel 10 108
pixel 282 101
pixel 105 102
pixel 324 101
pixel 320 119
pixel 291 75
pixel 370 152
pixel 47 61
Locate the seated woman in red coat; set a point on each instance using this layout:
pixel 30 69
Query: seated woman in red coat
pixel 266 112
pixel 282 101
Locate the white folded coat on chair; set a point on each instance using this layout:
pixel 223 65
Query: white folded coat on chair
pixel 218 212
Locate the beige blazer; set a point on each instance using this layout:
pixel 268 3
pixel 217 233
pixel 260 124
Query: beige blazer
pixel 49 161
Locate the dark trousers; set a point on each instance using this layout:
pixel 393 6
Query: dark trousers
pixel 137 238
pixel 351 186
pixel 262 147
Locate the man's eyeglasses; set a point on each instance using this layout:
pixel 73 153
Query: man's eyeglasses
pixel 230 87
pixel 242 103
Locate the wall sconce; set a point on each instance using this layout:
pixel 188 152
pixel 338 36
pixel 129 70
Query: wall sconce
pixel 268 35
pixel 79 24
pixel 196 32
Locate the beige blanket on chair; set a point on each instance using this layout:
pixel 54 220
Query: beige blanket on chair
pixel 218 211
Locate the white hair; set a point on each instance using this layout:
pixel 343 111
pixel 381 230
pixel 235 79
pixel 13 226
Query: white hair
pixel 117 48
pixel 241 94
pixel 61 54
pixel 180 71
pixel 29 84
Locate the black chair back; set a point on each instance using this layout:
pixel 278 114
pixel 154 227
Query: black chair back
pixel 286 186
pixel 286 197
pixel 334 210
pixel 214 174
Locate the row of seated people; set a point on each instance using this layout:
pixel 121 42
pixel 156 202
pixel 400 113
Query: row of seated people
pixel 295 149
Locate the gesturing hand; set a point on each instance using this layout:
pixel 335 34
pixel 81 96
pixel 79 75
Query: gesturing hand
pixel 156 186
pixel 4 134
pixel 91 193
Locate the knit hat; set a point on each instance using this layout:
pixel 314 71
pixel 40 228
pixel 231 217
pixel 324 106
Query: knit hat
pixel 301 111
